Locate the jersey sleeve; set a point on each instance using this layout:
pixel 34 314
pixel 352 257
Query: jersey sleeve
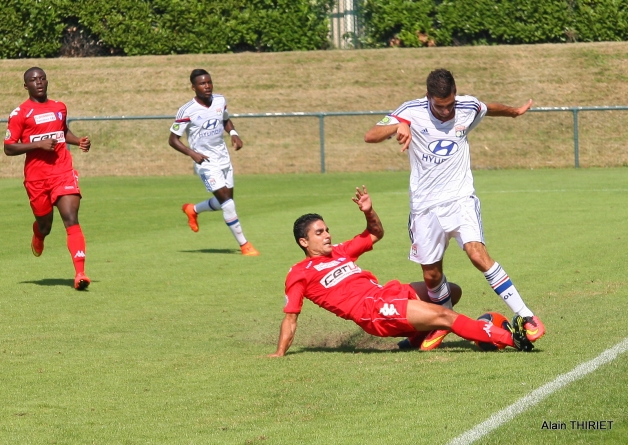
pixel 401 114
pixel 295 291
pixel 180 123
pixel 15 127
pixel 479 115
pixel 358 245
pixel 225 113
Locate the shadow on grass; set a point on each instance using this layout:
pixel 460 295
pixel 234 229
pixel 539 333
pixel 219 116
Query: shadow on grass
pixel 223 251
pixel 51 282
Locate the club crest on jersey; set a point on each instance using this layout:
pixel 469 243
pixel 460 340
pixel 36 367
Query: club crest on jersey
pixel 340 273
pixel 219 111
pixel 59 115
pixel 460 131
pixel 443 148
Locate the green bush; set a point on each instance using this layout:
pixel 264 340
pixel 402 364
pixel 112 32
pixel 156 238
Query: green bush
pixel 35 28
pixel 472 22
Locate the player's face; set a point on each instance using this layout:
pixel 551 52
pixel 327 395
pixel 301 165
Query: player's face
pixel 318 241
pixel 203 87
pixel 36 84
pixel 443 109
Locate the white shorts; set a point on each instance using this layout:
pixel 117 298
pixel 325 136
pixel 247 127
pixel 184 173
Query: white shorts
pixel 431 230
pixel 214 177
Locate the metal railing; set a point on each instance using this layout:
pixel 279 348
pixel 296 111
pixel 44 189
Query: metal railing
pixel 321 115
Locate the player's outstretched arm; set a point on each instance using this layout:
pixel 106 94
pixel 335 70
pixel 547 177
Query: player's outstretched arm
pixel 496 109
pixel 381 132
pixel 373 223
pixel 286 334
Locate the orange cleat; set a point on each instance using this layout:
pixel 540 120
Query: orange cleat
pixel 534 328
pixel 434 339
pixel 81 281
pixel 188 209
pixel 37 246
pixel 248 249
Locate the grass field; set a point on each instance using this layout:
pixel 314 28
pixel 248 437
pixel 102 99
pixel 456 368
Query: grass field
pixel 586 74
pixel 169 344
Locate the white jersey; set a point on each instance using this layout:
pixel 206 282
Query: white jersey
pixel 440 160
pixel 204 128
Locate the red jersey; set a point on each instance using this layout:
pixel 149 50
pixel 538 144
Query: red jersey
pixel 33 121
pixel 333 282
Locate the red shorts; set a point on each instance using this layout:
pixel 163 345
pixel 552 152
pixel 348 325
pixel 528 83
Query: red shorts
pixel 43 194
pixel 385 312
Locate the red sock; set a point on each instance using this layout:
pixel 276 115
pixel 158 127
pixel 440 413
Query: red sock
pixel 76 246
pixel 37 232
pixel 477 330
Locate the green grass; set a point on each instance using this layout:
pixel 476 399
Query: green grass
pixel 169 344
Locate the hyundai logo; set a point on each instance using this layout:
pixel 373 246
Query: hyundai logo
pixel 443 148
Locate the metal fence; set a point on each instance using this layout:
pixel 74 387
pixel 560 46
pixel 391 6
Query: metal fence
pixel 575 111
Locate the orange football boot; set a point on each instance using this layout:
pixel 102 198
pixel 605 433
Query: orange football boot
pixel 188 209
pixel 248 249
pixel 434 339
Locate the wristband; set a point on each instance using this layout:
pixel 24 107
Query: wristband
pixel 233 133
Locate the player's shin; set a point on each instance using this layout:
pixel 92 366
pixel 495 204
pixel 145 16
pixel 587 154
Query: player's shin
pixel 232 221
pixel 481 331
pixel 76 246
pixel 499 280
pixel 441 294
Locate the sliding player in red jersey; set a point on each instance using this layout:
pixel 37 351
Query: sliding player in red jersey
pixel 38 129
pixel 331 279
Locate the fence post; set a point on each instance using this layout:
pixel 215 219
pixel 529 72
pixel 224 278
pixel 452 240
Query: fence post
pixel 576 153
pixel 321 136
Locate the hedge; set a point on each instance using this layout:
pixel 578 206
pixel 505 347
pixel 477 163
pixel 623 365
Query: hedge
pixel 49 28
pixel 472 22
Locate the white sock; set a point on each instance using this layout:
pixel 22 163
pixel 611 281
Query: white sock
pixel 232 221
pixel 501 284
pixel 210 205
pixel 441 294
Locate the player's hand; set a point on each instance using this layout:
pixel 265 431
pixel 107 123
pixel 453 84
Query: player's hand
pixel 404 137
pixel 362 199
pixel 521 110
pixel 48 144
pixel 198 158
pixel 236 142
pixel 85 144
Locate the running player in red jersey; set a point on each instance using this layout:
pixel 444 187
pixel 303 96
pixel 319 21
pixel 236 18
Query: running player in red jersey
pixel 330 278
pixel 38 129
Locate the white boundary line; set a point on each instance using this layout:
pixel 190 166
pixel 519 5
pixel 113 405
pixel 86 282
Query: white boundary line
pixel 536 396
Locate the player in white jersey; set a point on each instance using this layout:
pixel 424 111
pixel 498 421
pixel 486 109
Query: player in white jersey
pixel 443 204
pixel 203 120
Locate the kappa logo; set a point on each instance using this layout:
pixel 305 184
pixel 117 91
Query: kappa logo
pixel 388 310
pixel 14 112
pixel 79 254
pixel 487 328
pixel 340 273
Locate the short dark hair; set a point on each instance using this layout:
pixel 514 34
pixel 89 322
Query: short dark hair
pixel 197 72
pixel 302 225
pixel 441 83
pixel 32 68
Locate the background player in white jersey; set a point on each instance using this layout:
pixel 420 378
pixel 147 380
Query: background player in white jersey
pixel 443 204
pixel 204 119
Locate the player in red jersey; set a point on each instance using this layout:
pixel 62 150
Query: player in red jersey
pixel 38 129
pixel 330 278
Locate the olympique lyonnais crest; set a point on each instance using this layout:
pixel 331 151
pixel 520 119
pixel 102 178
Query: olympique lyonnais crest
pixel 460 131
